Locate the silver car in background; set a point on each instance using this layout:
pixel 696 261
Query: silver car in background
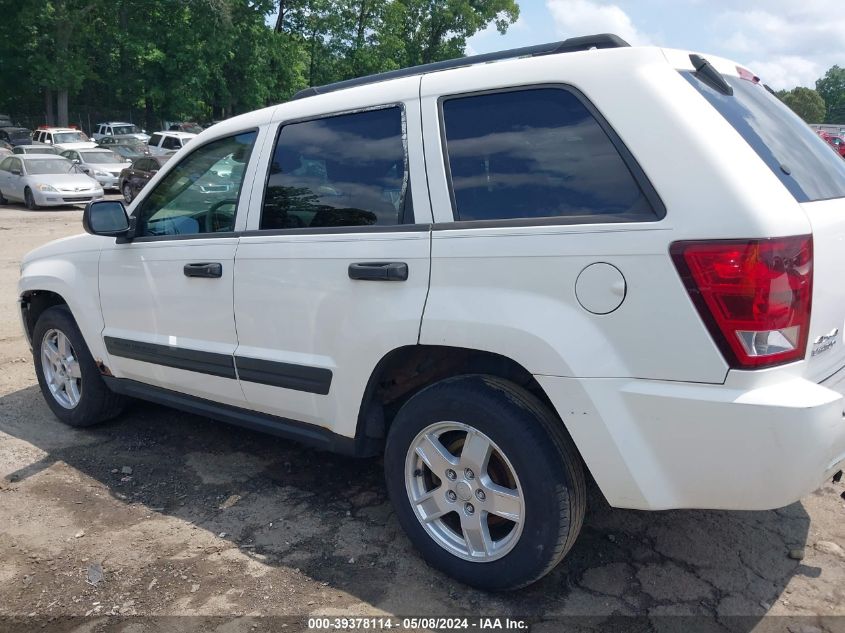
pixel 44 180
pixel 103 165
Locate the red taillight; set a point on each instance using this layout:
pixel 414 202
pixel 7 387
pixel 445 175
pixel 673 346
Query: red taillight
pixel 754 295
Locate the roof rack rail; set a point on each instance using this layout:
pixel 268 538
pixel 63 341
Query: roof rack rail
pixel 573 44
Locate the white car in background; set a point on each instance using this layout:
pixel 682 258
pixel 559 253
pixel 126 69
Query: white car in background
pixel 45 180
pixel 168 142
pixel 101 164
pixel 63 138
pixel 120 129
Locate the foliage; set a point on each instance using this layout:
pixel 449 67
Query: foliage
pixel 831 87
pixel 805 102
pixel 208 59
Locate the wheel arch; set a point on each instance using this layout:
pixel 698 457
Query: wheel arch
pixel 406 370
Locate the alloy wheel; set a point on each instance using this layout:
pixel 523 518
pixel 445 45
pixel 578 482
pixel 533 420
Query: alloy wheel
pixel 464 491
pixel 62 372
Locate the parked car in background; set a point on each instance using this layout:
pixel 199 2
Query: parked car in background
pixel 5 148
pixel 138 174
pixel 16 135
pixel 35 148
pixel 63 138
pixel 836 141
pixel 6 121
pixel 44 180
pixel 120 129
pixel 99 163
pixel 164 142
pixel 111 142
pixel 130 152
pixel 186 126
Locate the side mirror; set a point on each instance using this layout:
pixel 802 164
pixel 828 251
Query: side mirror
pixel 105 217
pixel 76 161
pixel 16 172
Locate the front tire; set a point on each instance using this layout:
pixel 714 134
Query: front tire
pixel 485 481
pixel 3 198
pixel 29 200
pixel 67 374
pixel 127 193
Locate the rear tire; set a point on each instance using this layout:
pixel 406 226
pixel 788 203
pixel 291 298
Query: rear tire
pixel 67 374
pixel 519 485
pixel 29 200
pixel 3 199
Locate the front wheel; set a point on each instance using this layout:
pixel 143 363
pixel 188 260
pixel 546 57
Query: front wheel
pixel 29 200
pixel 67 374
pixel 485 481
pixel 127 193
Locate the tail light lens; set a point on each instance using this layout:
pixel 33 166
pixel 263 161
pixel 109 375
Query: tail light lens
pixel 754 295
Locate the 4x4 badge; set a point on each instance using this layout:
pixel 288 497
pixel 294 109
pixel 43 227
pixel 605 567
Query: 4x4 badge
pixel 825 342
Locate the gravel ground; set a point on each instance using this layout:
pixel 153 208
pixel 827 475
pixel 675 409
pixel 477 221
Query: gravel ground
pixel 185 516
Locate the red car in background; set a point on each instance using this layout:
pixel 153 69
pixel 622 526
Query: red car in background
pixel 835 141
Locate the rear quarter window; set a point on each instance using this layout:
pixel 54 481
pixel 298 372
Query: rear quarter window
pixel 539 153
pixel 807 166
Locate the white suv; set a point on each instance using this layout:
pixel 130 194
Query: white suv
pixel 584 257
pixel 120 129
pixel 168 142
pixel 63 138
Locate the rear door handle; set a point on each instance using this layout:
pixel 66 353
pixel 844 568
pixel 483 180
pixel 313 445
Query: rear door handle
pixel 205 269
pixel 379 271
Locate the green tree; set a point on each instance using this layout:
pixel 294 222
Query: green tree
pixel 806 103
pixel 831 87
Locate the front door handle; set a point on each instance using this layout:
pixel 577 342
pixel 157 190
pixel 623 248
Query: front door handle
pixel 379 271
pixel 205 269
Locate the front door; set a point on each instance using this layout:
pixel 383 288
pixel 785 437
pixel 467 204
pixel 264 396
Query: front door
pixel 334 273
pixel 167 295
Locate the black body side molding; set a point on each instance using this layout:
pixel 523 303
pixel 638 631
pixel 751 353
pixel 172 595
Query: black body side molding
pixel 318 437
pixel 265 372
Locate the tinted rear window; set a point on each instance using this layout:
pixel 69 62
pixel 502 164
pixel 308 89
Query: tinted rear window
pixel 803 162
pixel 536 153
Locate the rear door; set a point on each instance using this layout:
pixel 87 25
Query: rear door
pixel 333 273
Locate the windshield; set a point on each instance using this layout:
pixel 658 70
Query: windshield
pixel 19 133
pixel 802 161
pixel 69 137
pixel 119 130
pixel 48 166
pixel 99 158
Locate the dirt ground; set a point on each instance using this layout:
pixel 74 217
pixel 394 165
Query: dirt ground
pixel 189 517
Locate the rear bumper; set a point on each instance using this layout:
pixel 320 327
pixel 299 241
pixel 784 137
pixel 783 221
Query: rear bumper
pixel 655 445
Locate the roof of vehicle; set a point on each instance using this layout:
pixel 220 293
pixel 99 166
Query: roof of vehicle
pixel 115 123
pixel 571 45
pixel 58 129
pixel 176 134
pixel 27 157
pixel 13 128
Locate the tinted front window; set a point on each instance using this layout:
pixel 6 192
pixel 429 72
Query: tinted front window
pixel 347 170
pixel 198 195
pixel 535 154
pixel 796 154
pixel 155 139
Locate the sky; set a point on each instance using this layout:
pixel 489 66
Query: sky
pixel 787 43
